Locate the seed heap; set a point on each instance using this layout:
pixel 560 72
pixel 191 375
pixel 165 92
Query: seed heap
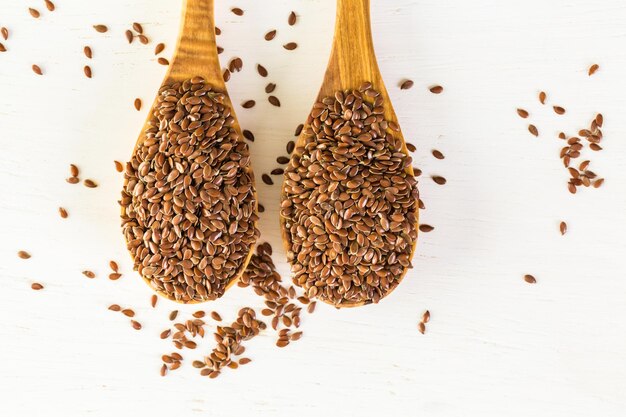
pixel 261 274
pixel 229 344
pixel 349 209
pixel 188 203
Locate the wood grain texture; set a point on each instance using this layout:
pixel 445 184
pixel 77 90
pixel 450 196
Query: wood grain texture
pixel 353 62
pixel 196 56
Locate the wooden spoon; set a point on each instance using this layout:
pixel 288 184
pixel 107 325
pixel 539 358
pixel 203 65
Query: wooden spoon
pixel 353 62
pixel 196 55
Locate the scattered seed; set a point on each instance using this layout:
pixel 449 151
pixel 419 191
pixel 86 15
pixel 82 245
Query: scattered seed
pixel 563 228
pixel 599 120
pixel 163 61
pixel 522 113
pixel 244 361
pixel 138 28
pixel 291 145
pixel 219 49
pixel 437 154
pixel 153 300
pixel 114 266
pixel 593 69
pixel 119 167
pixel 100 28
pixel 595 147
pixel 63 213
pixel 143 39
pixel 248 104
pixel 439 180
pixel 226 75
pixel 277 171
pixel 5 33
pixel 269 88
pixel 87 71
pixel 87 51
pixel 406 84
pixel 421 327
pixel 216 316
pixel 267 179
pixel 598 183
pixel 23 254
pixel 89 274
pixel 136 325
pixel 137 104
pixel 128 312
pixel 426 317
pixel 290 46
pixel 282 160
pixel 218 31
pixel 173 315
pixel 558 109
pixel 542 97
pixel 37 70
pixel 274 101
pixel 236 65
pixel 437 89
pixel 159 48
pixel 533 130
pixel 34 12
pixel 411 147
pixel 115 307
pixel 165 334
pixel 237 11
pixel 129 36
pixel 270 35
pixel 261 70
pixel 426 228
pixel 115 276
pixel 163 370
pixel 530 279
pixel 90 183
pixel 36 286
pixel 292 18
pixel 49 5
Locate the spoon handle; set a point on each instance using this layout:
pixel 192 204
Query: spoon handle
pixel 352 56
pixel 196 50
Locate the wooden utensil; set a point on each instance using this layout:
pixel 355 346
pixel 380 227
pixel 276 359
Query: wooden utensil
pixel 196 55
pixel 353 62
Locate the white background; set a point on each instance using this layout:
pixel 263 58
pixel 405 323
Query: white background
pixel 495 346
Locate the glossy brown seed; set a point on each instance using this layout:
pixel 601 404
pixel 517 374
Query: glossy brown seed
pixel 163 370
pixel 290 46
pixel 299 129
pixel 439 180
pixel 90 183
pixel 2 48
pixel 533 130
pixel 592 69
pixel 226 75
pixel 143 39
pixel 437 154
pixel 63 213
pixel 269 88
pixel 5 33
pixel 129 36
pixel 137 27
pixel 282 160
pixel 558 109
pixel 411 147
pixel 261 208
pixel 267 179
pixel 89 274
pixel 165 334
pixel 218 31
pixel 115 307
pixel 599 120
pixel 282 343
pixel 261 70
pixel 159 48
pixel 562 135
pixel 522 113
pixel 248 104
pixel 219 49
pixel 426 316
pixel 530 279
pixel 37 70
pixel 50 5
pixel 36 286
pixel 87 51
pixel 406 84
pixel 128 312
pixel 153 300
pixel 598 183
pixel 436 89
pixel 426 228
pixel 292 18
pixel 595 147
pixel 34 12
pixel 137 104
pixel 571 188
pixel 291 145
pixel 542 97
pixel 421 327
pixel 100 28
pixel 23 255
pixel 311 307
pixel 244 361
pixel 199 314
pixel 173 315
pixel 237 11
pixel 274 101
pixel 277 171
pixel 563 228
pixel 136 325
pixel 87 71
pixel 248 135
pixel 119 167
pixel 163 61
pixel 236 65
pixel 216 316
pixel 270 35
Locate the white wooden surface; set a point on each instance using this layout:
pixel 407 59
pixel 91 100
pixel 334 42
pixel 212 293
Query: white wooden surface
pixel 495 345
